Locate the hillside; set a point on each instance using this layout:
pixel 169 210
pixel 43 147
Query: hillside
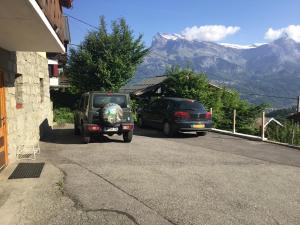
pixel 271 69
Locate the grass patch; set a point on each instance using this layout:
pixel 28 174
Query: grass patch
pixel 63 116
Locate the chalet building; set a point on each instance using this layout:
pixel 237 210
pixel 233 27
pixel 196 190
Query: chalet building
pixel 32 32
pixel 150 87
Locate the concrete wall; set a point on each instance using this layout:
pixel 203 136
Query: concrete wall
pixel 29 109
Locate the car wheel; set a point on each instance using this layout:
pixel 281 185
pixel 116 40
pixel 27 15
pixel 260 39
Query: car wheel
pixel 127 136
pixel 76 130
pixel 86 139
pixel 203 133
pixel 168 130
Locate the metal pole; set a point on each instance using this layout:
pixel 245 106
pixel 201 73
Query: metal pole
pixel 263 126
pixel 298 104
pixel 234 120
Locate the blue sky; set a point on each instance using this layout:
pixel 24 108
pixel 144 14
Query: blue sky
pixel 250 19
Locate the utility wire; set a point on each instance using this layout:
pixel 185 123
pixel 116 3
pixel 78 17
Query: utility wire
pixel 75 45
pixel 82 21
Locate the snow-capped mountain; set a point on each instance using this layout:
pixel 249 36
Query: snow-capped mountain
pixel 264 69
pixel 172 36
pixel 236 46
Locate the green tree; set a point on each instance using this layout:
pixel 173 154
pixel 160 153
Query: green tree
pixel 105 60
pixel 186 83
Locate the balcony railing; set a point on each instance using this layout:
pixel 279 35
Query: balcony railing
pixel 53 11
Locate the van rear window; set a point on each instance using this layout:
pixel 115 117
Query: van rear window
pixel 101 100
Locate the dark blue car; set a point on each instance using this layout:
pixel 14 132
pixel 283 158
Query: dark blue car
pixel 174 115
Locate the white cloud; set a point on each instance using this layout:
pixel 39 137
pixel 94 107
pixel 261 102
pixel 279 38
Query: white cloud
pixel 208 32
pixel 292 31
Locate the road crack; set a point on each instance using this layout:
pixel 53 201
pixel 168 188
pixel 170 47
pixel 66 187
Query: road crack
pixel 125 192
pixel 129 216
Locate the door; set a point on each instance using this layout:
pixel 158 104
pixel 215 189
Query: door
pixel 3 131
pixel 153 113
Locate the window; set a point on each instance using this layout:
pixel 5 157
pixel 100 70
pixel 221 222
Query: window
pixel 101 100
pixel 41 89
pixel 19 89
pixel 156 105
pixel 191 105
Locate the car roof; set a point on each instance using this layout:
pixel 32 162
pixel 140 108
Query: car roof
pixel 104 93
pixel 178 99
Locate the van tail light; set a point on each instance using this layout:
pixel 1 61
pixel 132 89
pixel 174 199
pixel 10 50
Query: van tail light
pixel 182 115
pixel 127 126
pixel 208 115
pixel 93 127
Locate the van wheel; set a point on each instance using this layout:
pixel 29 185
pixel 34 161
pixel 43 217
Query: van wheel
pixel 168 130
pixel 127 136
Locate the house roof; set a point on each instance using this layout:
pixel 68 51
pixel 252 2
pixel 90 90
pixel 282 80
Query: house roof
pixel 147 85
pixel 268 120
pixel 151 82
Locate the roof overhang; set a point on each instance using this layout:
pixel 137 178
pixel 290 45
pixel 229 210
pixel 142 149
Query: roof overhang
pixel 24 27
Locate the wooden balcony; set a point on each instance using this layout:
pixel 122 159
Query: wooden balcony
pixel 54 13
pixel 33 25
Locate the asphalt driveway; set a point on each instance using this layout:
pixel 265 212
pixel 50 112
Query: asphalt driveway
pixel 216 179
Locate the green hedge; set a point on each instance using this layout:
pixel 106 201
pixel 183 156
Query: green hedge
pixel 63 115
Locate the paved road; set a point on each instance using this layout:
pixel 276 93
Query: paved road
pixel 215 179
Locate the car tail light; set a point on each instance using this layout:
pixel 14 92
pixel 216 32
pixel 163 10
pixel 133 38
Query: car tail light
pixel 208 115
pixel 127 126
pixel 182 115
pixel 93 127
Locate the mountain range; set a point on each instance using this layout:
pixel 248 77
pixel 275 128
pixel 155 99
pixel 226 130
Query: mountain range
pixel 256 71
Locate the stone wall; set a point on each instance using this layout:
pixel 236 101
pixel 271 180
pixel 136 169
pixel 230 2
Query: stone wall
pixel 29 108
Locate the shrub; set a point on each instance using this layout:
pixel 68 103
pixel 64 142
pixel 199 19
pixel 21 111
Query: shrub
pixel 290 133
pixel 63 115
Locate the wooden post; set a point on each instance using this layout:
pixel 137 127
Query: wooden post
pixel 263 126
pixel 298 104
pixel 211 111
pixel 234 120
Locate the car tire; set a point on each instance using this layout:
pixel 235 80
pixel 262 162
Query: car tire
pixel 85 136
pixel 86 139
pixel 202 133
pixel 76 130
pixel 168 130
pixel 127 136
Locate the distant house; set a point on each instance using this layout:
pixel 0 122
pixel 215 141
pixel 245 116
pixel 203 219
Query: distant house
pixel 268 121
pixel 149 87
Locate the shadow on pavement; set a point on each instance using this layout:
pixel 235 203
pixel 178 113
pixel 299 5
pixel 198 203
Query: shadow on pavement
pixel 154 133
pixel 66 136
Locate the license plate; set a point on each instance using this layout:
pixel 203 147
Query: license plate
pixel 111 129
pixel 198 126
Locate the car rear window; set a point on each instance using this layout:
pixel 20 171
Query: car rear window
pixel 101 100
pixel 191 105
